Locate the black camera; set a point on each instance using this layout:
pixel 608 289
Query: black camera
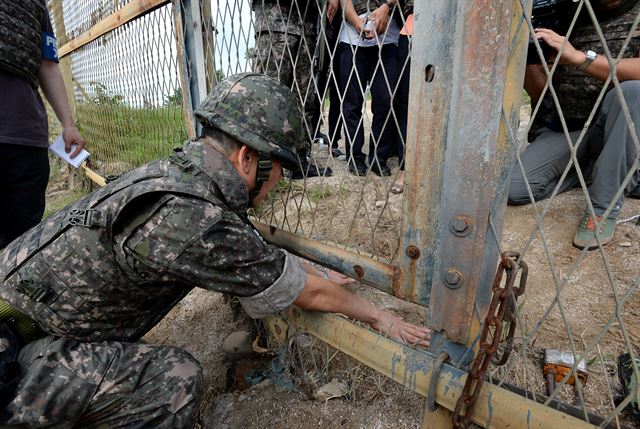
pixel 555 15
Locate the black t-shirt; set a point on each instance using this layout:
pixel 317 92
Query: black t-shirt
pixel 23 117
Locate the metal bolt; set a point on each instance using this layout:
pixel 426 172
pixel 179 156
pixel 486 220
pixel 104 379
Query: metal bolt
pixel 453 278
pixel 461 225
pixel 412 251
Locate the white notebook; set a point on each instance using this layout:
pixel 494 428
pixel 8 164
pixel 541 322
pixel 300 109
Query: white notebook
pixel 57 147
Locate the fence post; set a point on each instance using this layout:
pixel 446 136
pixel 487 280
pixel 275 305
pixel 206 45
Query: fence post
pixel 458 159
pixel 208 36
pixel 193 80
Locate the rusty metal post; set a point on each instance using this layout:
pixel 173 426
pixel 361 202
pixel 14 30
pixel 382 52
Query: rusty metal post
pixel 457 157
pixel 362 267
pixel 208 38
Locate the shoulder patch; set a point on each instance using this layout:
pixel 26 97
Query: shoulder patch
pixel 49 47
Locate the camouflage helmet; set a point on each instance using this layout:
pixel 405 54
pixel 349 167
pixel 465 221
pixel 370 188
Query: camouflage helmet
pixel 258 111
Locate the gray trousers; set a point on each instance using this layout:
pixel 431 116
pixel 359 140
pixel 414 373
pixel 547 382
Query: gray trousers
pixel 66 383
pixel 606 156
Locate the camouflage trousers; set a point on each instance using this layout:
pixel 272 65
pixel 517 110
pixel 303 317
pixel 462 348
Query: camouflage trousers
pixel 288 58
pixel 67 383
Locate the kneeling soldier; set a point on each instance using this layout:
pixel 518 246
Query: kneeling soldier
pixel 83 286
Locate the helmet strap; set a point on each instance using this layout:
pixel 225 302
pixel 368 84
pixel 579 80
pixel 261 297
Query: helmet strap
pixel 262 175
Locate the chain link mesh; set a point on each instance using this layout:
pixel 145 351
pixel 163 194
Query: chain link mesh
pixel 128 99
pixel 291 42
pixel 581 302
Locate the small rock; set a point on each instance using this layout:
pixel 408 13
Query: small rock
pixel 380 204
pixel 264 384
pixel 242 397
pixel 238 345
pixel 625 244
pixel 333 389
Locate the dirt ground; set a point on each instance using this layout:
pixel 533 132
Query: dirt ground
pixel 578 314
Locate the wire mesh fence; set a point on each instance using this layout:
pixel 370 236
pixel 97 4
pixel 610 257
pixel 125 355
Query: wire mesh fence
pixel 580 162
pixel 126 86
pixel 575 179
pixel 337 198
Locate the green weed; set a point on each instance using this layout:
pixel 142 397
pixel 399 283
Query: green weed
pixel 318 192
pixel 119 133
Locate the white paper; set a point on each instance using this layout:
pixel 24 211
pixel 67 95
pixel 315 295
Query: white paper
pixel 57 147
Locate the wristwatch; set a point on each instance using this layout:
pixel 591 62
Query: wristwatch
pixel 589 57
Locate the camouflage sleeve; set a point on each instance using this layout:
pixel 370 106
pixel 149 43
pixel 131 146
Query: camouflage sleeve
pixel 205 246
pixel 279 295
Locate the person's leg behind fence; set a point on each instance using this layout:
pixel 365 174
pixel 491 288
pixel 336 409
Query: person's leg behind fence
pixel 354 75
pixel 544 161
pixel 613 148
pixel 384 132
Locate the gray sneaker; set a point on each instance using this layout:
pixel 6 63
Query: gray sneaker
pixel 587 231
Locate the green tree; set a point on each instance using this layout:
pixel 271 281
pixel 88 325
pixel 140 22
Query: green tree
pixel 104 97
pixel 174 100
pixel 219 75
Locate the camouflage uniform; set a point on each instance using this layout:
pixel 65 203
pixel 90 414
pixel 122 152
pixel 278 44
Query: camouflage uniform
pixel 408 7
pixel 286 40
pixel 363 6
pixel 21 38
pixel 607 151
pixel 567 81
pixel 66 383
pixel 105 270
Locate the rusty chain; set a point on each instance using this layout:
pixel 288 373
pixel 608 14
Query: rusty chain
pixel 501 311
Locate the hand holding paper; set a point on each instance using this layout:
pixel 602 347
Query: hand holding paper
pixel 79 154
pixel 72 138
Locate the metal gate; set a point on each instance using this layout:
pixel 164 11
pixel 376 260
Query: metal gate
pixel 136 69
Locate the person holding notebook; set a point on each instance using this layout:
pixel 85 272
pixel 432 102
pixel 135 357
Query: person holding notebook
pixel 28 61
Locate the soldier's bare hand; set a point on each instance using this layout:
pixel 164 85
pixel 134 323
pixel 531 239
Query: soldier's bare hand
pixel 339 278
pixel 570 55
pixel 72 138
pixel 405 332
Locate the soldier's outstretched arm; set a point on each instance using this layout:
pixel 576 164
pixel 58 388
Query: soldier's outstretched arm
pixel 325 273
pixel 323 295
